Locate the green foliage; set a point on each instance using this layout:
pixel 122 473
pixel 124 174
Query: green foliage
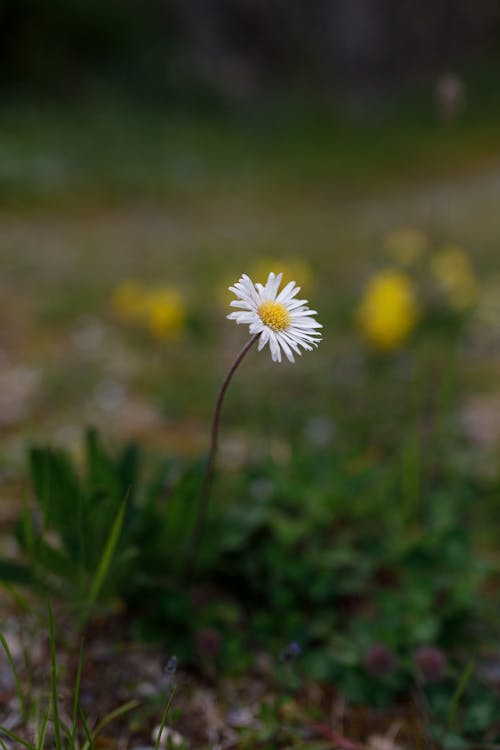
pixel 74 538
pixel 95 535
pixel 329 556
pixel 101 534
pixel 336 553
pixel 82 511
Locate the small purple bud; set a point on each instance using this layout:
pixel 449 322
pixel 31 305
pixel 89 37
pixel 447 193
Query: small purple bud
pixel 431 662
pixel 290 652
pixel 379 660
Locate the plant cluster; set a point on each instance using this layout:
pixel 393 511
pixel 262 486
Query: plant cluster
pixel 361 567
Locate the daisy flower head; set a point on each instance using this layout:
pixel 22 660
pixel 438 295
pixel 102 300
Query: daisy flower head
pixel 283 322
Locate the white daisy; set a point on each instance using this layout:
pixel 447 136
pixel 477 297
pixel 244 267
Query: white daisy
pixel 282 321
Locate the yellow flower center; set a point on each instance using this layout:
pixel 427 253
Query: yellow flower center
pixel 275 315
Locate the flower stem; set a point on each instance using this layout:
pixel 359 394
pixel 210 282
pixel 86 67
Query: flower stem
pixel 206 486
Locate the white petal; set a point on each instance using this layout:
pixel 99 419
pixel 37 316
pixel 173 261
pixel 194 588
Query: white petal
pixel 241 317
pixel 242 297
pixel 304 312
pixel 263 339
pixel 289 291
pixel 245 317
pixel 275 349
pixel 300 337
pixel 296 304
pixel 243 304
pixel 249 288
pixel 272 285
pixel 291 341
pixel 284 345
pixel 257 327
pixel 305 323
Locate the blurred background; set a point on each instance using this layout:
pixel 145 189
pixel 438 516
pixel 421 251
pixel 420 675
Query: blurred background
pixel 152 151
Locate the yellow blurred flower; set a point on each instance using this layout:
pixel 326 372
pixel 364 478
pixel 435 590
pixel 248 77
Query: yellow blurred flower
pixel 291 268
pixel 160 309
pixel 406 245
pixel 165 312
pixel 453 272
pixel 389 310
pixel 127 300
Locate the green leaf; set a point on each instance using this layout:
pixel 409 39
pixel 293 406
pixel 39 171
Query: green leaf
pixel 107 558
pixel 56 485
pixel 56 562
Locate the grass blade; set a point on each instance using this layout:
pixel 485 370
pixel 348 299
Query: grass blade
pixel 106 559
pixel 89 745
pixel 462 684
pixel 77 693
pixel 53 672
pixel 43 729
pixel 164 718
pixel 17 681
pixel 114 715
pixel 16 738
pixel 68 733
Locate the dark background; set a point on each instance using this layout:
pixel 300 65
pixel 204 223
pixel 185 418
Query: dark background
pixel 209 52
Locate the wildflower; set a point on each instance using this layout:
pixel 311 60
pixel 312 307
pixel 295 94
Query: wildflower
pixel 165 312
pixel 127 300
pixel 379 660
pixel 405 245
pixel 431 662
pixel 279 320
pixel 388 311
pixel 455 276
